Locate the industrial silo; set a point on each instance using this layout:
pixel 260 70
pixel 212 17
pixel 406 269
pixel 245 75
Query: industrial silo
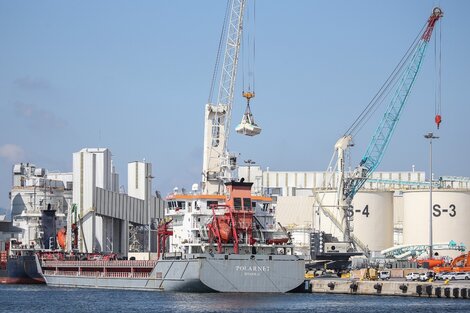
pixel 372 217
pixel 451 213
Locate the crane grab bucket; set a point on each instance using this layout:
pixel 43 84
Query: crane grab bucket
pixel 248 126
pixel 248 129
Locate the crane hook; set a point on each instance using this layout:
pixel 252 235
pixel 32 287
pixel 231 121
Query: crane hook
pixel 438 120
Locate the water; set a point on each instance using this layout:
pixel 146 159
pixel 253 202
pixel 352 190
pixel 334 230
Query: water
pixel 27 298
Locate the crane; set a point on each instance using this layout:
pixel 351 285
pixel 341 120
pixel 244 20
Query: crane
pixel 398 86
pixel 218 163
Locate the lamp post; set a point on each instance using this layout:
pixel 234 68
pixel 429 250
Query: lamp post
pixel 147 187
pixel 430 136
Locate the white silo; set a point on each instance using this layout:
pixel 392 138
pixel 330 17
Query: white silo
pixel 451 213
pixel 373 218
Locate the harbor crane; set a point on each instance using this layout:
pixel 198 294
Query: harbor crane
pixel 398 86
pixel 218 163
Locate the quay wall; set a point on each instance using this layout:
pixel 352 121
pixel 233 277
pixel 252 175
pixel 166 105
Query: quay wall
pixel 392 288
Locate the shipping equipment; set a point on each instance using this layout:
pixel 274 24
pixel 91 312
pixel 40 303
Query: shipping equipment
pixel 398 86
pixel 458 264
pixel 218 162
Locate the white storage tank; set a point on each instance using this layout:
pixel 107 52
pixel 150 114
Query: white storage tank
pixel 301 240
pixel 451 213
pixel 294 211
pixel 322 222
pixel 373 218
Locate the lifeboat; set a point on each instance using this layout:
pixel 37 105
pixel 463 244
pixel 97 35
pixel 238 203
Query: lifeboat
pixel 278 238
pixel 277 241
pixel 225 231
pixel 61 237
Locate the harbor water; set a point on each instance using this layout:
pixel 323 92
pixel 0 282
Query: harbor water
pixel 33 298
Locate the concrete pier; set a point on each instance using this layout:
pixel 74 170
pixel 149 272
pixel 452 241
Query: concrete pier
pixel 392 288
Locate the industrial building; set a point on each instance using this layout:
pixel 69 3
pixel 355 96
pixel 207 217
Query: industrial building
pixel 89 197
pixel 108 218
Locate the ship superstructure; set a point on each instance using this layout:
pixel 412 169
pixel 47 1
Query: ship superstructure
pixel 39 202
pixel 34 191
pixel 237 222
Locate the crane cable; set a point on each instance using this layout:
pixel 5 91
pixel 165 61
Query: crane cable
pixel 248 63
pixel 254 44
pixel 249 57
pixel 385 89
pixel 438 74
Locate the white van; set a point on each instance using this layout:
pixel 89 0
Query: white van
pixel 384 275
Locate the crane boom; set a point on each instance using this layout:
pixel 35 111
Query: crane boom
pixel 381 138
pixel 349 185
pixel 229 67
pixel 217 162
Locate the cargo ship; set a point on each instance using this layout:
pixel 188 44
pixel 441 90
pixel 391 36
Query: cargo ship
pixel 17 262
pixel 37 210
pixel 21 268
pixel 208 243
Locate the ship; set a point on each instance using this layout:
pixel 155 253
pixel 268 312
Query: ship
pixel 208 243
pixel 17 261
pixel 36 210
pixel 21 268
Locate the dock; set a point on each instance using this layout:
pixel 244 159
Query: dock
pixel 392 288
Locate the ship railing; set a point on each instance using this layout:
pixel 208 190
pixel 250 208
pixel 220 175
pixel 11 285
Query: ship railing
pixel 114 263
pixel 125 275
pixel 97 274
pixel 60 273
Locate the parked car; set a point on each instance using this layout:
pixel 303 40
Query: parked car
pixel 439 276
pixel 412 276
pixel 384 275
pixel 448 276
pixel 460 276
pixel 426 276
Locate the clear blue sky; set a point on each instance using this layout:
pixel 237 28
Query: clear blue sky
pixel 134 76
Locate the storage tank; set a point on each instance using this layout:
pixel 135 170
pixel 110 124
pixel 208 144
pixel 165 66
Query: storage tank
pixel 294 211
pixel 323 222
pixel 373 218
pixel 301 240
pixel 451 213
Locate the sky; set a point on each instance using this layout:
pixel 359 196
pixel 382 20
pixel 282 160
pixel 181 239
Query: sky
pixel 134 76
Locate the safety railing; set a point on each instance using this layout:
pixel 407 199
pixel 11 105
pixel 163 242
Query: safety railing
pixel 97 274
pixel 117 263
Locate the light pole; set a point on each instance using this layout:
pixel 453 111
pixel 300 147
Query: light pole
pixel 430 136
pixel 147 187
